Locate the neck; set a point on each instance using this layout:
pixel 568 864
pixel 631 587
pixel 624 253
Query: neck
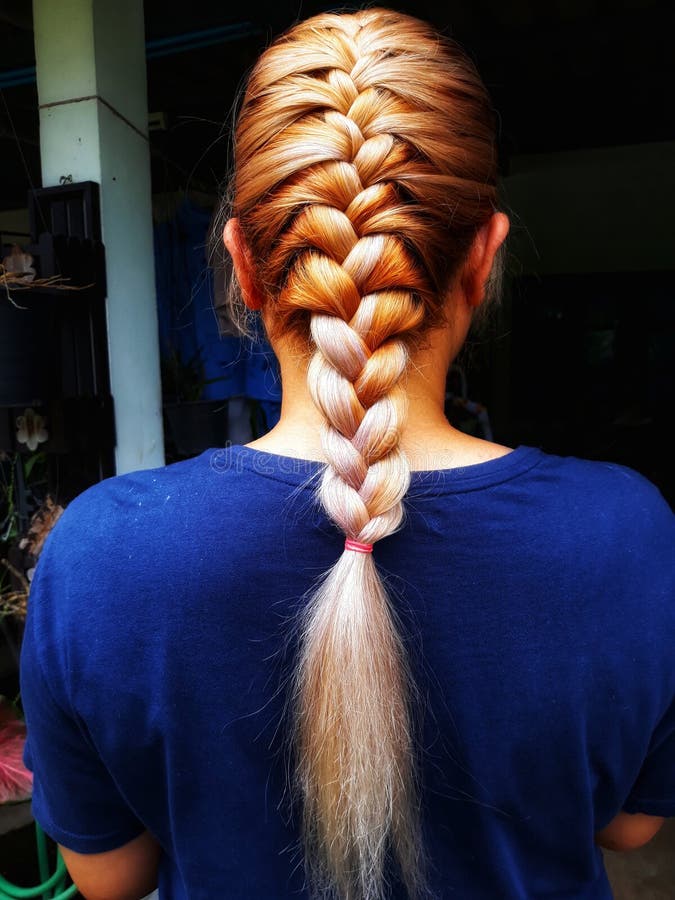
pixel 426 436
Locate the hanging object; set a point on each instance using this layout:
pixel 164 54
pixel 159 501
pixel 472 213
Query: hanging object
pixel 30 429
pixel 19 264
pixel 467 415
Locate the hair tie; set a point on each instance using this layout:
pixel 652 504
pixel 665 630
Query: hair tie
pixel 358 546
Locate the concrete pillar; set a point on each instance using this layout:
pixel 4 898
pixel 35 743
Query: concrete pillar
pixel 91 80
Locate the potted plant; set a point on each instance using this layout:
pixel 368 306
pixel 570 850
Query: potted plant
pixel 193 424
pixel 21 542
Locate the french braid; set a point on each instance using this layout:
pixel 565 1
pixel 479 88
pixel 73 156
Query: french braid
pixel 364 165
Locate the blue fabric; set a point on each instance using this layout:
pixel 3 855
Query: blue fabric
pixel 187 320
pixel 536 597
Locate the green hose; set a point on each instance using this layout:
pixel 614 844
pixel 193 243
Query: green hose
pixel 63 895
pixel 57 881
pixel 43 865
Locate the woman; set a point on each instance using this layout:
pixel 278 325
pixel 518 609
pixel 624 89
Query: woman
pixel 476 695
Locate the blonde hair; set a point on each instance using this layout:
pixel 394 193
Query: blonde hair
pixel 365 162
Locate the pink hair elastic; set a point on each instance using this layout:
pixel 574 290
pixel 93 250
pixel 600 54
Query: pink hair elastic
pixel 357 546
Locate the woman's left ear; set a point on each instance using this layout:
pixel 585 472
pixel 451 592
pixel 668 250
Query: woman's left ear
pixel 243 263
pixel 488 240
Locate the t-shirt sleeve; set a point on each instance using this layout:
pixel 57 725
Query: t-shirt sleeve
pixel 654 790
pixel 75 799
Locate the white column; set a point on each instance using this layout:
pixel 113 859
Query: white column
pixel 90 57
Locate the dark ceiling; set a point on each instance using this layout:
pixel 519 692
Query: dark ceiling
pixel 563 74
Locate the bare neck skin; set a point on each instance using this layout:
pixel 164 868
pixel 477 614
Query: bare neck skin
pixel 427 438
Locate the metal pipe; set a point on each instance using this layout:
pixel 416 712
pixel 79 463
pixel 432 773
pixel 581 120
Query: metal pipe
pixel 176 43
pixel 156 49
pixel 189 36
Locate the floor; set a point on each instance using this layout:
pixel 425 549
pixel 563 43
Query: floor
pixel 647 873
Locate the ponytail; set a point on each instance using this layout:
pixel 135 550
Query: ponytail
pixel 355 765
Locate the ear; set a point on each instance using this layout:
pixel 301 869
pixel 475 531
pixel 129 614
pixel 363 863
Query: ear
pixel 242 260
pixel 481 257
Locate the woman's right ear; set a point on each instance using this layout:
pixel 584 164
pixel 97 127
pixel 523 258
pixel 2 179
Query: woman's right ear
pixel 242 260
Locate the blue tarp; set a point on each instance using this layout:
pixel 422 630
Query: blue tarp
pixel 188 322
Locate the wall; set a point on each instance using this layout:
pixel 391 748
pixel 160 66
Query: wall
pixel 600 210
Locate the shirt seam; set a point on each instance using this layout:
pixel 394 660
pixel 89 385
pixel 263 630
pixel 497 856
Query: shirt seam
pixel 523 468
pixel 86 838
pixel 466 488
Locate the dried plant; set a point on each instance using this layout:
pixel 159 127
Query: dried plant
pixel 19 281
pixel 14 602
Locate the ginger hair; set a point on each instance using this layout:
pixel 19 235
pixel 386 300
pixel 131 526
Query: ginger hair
pixel 365 162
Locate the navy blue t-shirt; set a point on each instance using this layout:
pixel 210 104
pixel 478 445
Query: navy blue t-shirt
pixel 536 596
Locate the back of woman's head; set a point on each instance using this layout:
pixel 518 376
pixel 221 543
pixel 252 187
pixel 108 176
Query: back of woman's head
pixel 365 163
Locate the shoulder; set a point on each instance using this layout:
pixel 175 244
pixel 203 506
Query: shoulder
pixel 613 490
pixel 150 514
pixel 102 559
pixel 101 528
pixel 131 526
pixel 614 521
